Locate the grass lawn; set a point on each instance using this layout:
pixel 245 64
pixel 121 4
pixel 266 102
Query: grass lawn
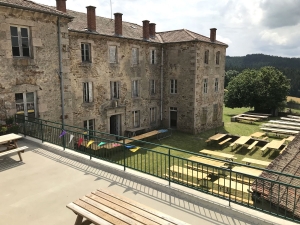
pixel 195 143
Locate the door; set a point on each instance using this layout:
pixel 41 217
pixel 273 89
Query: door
pixel 173 117
pixel 115 125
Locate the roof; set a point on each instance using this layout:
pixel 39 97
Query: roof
pixel 30 5
pixel 106 26
pixel 287 163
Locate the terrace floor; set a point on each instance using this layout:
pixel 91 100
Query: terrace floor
pixel 37 190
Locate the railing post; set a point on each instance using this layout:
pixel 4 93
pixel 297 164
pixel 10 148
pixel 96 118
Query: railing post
pixel 124 154
pixel 229 198
pixel 42 130
pixel 169 153
pixel 24 126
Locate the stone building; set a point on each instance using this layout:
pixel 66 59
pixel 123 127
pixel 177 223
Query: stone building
pixel 116 75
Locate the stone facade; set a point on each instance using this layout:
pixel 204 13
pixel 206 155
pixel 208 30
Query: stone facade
pixel 154 82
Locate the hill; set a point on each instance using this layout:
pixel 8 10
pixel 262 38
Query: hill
pixel 289 66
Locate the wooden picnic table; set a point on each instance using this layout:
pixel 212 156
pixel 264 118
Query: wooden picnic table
pixel 217 137
pixel 279 131
pixel 221 154
pixel 294 117
pixel 290 138
pixel 247 171
pixel 275 144
pixel 255 116
pixel 247 118
pixel 107 208
pixel 284 122
pixel 261 114
pixel 9 141
pixel 281 126
pixel 208 161
pixel 290 119
pixel 258 134
pixel 225 183
pixel 241 141
pixel 131 132
pixel 255 161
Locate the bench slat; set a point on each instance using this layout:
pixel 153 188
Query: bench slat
pixel 223 142
pixel 86 214
pixel 13 150
pixel 252 145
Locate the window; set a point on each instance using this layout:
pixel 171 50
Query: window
pixel 114 87
pixel 218 58
pixel 135 88
pixel 88 92
pixel 206 55
pixel 20 41
pixel 152 87
pixel 216 85
pixel 113 54
pixel 136 118
pixel 85 52
pixel 26 104
pixel 205 85
pixel 135 56
pixel 152 115
pixel 173 86
pixel 153 56
pixel 215 112
pixel 89 127
pixel 204 115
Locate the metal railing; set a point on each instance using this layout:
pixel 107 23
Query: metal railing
pixel 172 164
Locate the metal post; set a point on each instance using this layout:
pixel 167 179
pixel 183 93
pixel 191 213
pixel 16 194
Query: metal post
pixel 124 154
pixel 229 198
pixel 169 166
pixel 42 131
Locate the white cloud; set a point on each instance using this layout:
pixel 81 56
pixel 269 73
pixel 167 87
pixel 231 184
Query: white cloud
pixel 273 38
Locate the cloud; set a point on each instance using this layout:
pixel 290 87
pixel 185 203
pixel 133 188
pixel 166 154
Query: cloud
pixel 278 13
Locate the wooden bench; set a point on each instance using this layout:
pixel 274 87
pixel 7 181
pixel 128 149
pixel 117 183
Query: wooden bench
pixel 223 142
pixel 265 138
pixel 252 145
pixel 248 161
pixel 208 171
pixel 16 150
pixel 283 150
pixel 106 208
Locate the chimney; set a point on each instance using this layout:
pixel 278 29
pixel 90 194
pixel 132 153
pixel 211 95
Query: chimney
pixel 146 30
pixel 118 24
pixel 213 33
pixel 61 5
pixel 91 18
pixel 152 29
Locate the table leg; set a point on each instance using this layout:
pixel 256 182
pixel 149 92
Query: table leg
pixel 78 220
pixel 19 153
pixel 86 222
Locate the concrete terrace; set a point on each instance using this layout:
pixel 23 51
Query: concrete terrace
pixel 37 190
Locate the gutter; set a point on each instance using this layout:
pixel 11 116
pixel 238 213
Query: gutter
pixel 161 83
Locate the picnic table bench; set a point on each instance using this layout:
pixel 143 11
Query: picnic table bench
pixel 281 126
pixel 102 207
pixel 248 161
pixel 252 145
pixel 178 171
pixel 284 122
pixel 247 119
pixel 215 137
pixel 221 154
pixel 225 141
pixel 255 116
pixel 227 184
pixel 290 119
pixel 280 131
pixel 16 150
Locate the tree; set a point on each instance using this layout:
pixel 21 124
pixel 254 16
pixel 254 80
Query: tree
pixel 264 89
pixel 229 75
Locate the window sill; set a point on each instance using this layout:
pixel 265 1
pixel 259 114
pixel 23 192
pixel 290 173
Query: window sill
pixel 87 104
pixel 85 64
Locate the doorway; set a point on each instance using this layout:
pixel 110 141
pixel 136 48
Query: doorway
pixel 115 124
pixel 173 117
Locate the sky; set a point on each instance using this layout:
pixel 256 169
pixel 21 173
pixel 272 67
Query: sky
pixel 270 27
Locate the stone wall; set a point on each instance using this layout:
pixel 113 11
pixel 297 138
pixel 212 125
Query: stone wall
pixel 37 73
pixel 101 72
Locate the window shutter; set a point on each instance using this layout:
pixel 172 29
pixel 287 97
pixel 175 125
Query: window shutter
pixel 118 89
pixel 154 56
pixel 90 91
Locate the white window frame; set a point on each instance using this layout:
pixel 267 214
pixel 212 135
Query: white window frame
pixel 206 56
pixel 173 86
pixel 136 118
pixel 135 88
pixel 20 38
pixel 152 87
pixel 23 107
pixel 113 53
pixel 115 89
pixel 218 58
pixel 84 48
pixel 152 115
pixel 87 92
pixel 216 84
pixel 152 56
pixel 89 125
pixel 135 56
pixel 205 85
